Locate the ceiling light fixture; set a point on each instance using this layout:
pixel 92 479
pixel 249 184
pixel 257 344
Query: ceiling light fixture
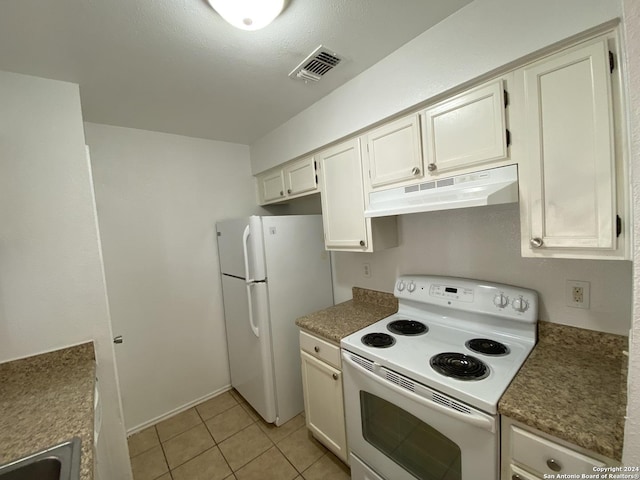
pixel 248 14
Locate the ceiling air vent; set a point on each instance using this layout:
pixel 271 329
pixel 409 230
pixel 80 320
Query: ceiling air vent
pixel 316 65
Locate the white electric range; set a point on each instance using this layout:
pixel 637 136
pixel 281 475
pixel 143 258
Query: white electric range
pixel 422 386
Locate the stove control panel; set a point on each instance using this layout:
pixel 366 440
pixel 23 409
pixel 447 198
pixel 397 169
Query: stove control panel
pixel 452 292
pixel 471 295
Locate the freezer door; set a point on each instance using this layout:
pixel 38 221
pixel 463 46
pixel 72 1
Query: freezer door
pixel 240 248
pixel 250 360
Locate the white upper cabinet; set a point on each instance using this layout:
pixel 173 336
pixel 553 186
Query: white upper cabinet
pixel 394 153
pixel 343 197
pixel 300 176
pixel 293 179
pixel 271 186
pixel 568 181
pixel 466 130
pixel 343 203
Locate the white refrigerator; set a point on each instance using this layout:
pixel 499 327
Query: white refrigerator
pixel 274 270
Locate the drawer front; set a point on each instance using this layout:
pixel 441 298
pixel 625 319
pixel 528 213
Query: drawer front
pixel 516 473
pixel 321 349
pixel 545 457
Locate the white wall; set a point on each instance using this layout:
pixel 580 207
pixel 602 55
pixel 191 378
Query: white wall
pixel 484 35
pixel 484 243
pixel 632 427
pixel 52 290
pixel 159 197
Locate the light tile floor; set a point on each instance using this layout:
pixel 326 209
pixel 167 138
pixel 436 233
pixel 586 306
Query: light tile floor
pixel 224 438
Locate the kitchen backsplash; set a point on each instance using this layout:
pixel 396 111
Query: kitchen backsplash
pixel 484 243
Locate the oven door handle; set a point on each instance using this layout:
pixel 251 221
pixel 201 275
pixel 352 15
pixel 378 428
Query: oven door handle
pixel 473 418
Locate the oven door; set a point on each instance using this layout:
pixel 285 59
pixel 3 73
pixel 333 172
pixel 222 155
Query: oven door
pixel 403 430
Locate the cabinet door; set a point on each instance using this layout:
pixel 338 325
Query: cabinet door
pixel 323 404
pixel 300 176
pixel 271 185
pixel 343 196
pixel 394 152
pixel 467 130
pixel 570 177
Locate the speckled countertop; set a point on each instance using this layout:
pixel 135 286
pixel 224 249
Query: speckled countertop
pixel 45 400
pixel 335 323
pixel 573 386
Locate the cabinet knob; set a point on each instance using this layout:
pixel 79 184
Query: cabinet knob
pixel 362 243
pixel 415 171
pixel 335 376
pixel 316 349
pixel 289 191
pixel 432 167
pixel 536 242
pixel 554 465
pixel 281 193
pixel 515 476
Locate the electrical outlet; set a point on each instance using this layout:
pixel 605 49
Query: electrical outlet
pixel 366 270
pixel 577 293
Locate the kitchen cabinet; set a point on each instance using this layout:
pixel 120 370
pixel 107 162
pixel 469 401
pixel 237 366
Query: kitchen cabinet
pixel 293 179
pixel 571 180
pixel 466 130
pixel 323 394
pixel 271 186
pixel 394 153
pixel 343 203
pixel 529 454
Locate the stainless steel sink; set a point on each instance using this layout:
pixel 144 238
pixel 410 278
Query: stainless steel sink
pixel 60 462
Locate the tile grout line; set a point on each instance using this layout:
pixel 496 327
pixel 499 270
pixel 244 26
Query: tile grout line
pixel 163 454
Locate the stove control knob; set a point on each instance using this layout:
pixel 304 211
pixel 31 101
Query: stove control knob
pixel 501 300
pixel 520 304
pixel 411 287
pixel 400 286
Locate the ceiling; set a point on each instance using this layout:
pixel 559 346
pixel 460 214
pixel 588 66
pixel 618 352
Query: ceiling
pixel 175 66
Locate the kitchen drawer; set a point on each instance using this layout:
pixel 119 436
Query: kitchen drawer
pixel 325 351
pixel 516 473
pixel 543 456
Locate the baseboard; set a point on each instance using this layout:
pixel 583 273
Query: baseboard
pixel 178 410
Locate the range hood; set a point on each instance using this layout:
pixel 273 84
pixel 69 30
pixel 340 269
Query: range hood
pixel 485 187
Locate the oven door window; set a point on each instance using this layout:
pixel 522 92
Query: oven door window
pixel 408 441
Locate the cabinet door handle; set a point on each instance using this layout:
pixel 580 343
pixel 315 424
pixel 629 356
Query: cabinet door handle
pixel 289 191
pixel 515 476
pixel 362 243
pixel 118 340
pixel 536 242
pixel 316 349
pixel 554 465
pixel 432 167
pixel 415 171
pixel 281 193
pixel 335 376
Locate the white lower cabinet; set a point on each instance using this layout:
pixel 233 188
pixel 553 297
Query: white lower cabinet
pixel 528 454
pixel 323 395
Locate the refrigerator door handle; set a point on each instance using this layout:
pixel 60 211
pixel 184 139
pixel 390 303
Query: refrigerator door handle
pixel 254 328
pixel 245 243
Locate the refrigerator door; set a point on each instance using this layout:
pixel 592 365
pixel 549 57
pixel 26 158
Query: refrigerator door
pixel 240 248
pixel 299 279
pixel 250 360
